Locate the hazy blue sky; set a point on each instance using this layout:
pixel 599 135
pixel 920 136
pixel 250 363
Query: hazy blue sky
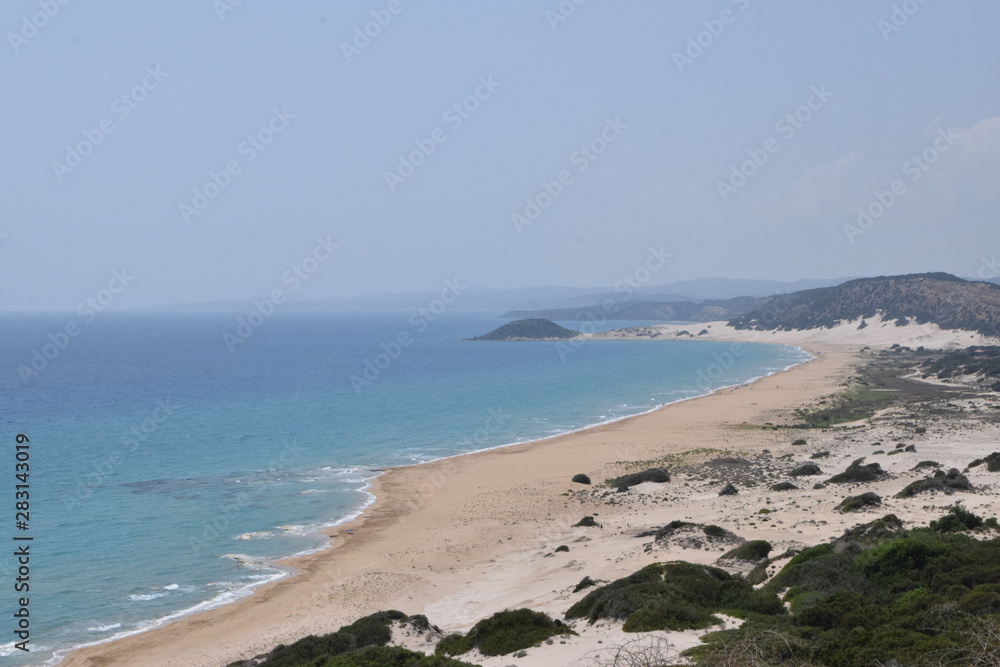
pixel 670 118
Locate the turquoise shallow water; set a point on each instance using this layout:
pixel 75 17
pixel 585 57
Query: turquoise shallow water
pixel 167 471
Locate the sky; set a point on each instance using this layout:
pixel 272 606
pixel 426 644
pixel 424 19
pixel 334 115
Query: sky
pixel 186 151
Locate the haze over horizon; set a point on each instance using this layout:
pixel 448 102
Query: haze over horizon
pixel 219 151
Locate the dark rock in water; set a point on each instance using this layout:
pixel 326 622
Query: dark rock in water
pixel 948 483
pixel 587 522
pixel 858 472
pixel 855 503
pixel 729 490
pixel 533 329
pixel 581 479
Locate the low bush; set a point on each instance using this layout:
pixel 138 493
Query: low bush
pixel 504 632
pixel 784 486
pixel 729 490
pixel 752 551
pixel 673 596
pixel 805 470
pixel 658 475
pixel 858 472
pixel 855 503
pixel 947 483
pixel 586 522
pixel 372 630
pixel 581 479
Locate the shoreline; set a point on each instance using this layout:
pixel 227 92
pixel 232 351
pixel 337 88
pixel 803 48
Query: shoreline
pixel 134 648
pixel 284 566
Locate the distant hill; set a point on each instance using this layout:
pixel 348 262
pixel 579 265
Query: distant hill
pixel 533 329
pixel 686 311
pixel 939 298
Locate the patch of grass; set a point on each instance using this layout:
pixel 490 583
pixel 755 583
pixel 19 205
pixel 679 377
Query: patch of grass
pixel 504 632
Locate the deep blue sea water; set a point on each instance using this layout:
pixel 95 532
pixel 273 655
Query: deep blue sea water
pixel 167 471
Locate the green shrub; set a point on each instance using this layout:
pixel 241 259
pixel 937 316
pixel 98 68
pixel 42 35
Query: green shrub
pixel 673 596
pixel 729 490
pixel 957 519
pixel 798 443
pixel 390 657
pixel 561 547
pixel 752 551
pixel 581 479
pixel 855 503
pixel 784 486
pixel 659 475
pixel 372 630
pixel 948 483
pixel 505 632
pixel 586 582
pixel 857 472
pixel 926 464
pixel 806 469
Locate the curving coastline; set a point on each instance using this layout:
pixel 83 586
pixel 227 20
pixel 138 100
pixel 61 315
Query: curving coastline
pixel 433 524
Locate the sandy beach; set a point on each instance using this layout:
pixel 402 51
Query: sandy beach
pixel 462 538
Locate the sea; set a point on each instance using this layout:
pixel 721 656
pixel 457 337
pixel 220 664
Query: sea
pixel 172 457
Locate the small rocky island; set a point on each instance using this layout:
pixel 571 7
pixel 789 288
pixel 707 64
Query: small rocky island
pixel 533 329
